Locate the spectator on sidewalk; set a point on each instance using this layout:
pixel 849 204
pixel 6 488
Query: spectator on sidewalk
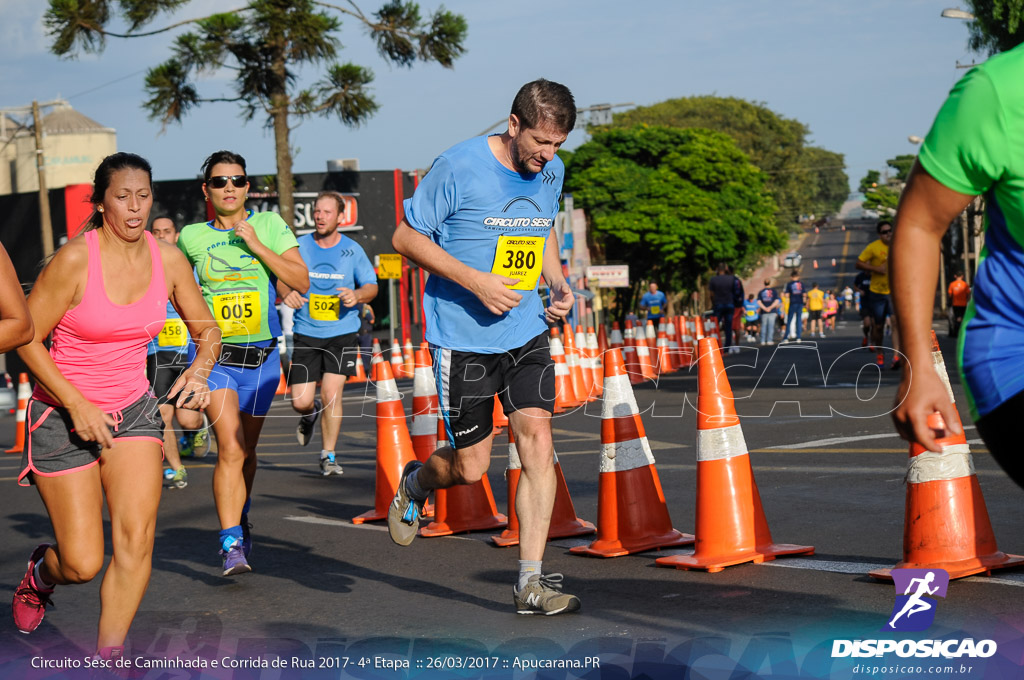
pixel 769 303
pixel 723 302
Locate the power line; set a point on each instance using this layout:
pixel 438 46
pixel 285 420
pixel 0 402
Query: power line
pixel 116 80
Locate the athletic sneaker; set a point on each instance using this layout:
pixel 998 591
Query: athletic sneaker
pixel 246 536
pixel 896 364
pixel 178 478
pixel 304 430
pixel 880 360
pixel 405 512
pixel 185 448
pixel 543 595
pixel 329 467
pixel 234 560
pixel 201 440
pixel 29 605
pixel 864 341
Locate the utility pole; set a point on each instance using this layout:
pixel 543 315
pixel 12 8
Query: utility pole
pixel 45 225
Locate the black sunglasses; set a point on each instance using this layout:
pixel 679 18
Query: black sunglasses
pixel 221 181
pixel 883 232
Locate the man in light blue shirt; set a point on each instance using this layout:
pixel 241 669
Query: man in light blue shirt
pixel 654 303
pixel 481 223
pixel 327 322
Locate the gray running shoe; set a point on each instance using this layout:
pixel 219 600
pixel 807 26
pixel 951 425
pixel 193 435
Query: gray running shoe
pixel 304 430
pixel 328 467
pixel 405 511
pixel 543 595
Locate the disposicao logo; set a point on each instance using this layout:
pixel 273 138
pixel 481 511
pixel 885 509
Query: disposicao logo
pixel 915 589
pixel 915 611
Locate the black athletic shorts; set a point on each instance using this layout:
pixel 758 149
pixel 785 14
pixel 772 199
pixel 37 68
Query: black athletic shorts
pixel 162 369
pixel 467 382
pixel 313 357
pixel 813 314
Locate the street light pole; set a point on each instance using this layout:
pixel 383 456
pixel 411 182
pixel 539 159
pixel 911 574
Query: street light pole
pixel 45 225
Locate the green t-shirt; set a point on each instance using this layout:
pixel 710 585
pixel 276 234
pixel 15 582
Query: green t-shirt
pixel 235 283
pixel 976 146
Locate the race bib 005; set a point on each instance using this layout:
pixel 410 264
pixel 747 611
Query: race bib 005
pixel 238 313
pixel 519 257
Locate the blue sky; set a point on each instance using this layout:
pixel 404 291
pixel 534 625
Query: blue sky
pixel 862 75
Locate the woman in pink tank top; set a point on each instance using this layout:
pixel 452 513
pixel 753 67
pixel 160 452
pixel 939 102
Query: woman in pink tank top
pixel 92 422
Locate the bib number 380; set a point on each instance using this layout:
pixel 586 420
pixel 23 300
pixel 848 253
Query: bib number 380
pixel 238 313
pixel 519 257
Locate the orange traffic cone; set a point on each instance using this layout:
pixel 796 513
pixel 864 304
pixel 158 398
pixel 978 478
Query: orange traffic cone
pixel 408 360
pixel 498 417
pixel 394 446
pixel 572 360
pixel 602 339
pixel 282 384
pixel 946 524
pixel 596 364
pixel 631 512
pixel 424 408
pixel 651 336
pixel 615 342
pixel 815 264
pixel 360 376
pixel 646 363
pixel 24 394
pixel 397 361
pixel 833 262
pixel 731 527
pixel 565 397
pixel 663 359
pixel 462 508
pixel 586 364
pixel 564 521
pixel 376 356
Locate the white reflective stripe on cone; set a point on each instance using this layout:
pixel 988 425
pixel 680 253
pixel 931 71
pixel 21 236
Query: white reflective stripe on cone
pixel 423 383
pixel 954 462
pixel 625 456
pixel 618 393
pixel 387 390
pixel 940 368
pixel 424 425
pixel 720 443
pixel 561 368
pixel 555 347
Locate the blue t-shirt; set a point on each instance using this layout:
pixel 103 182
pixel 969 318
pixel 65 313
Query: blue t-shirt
pixel 485 216
pixel 343 265
pixel 655 304
pixel 751 312
pixel 796 293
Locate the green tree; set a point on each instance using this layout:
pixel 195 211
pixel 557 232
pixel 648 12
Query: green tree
pixel 883 196
pixel 262 44
pixel 870 181
pixel 827 170
pixel 774 144
pixel 998 25
pixel 672 202
pixel 901 164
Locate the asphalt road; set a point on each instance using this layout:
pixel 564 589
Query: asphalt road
pixel 828 466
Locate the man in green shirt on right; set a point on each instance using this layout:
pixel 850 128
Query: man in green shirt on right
pixel 975 146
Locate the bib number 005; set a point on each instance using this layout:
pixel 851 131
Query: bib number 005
pixel 519 257
pixel 238 313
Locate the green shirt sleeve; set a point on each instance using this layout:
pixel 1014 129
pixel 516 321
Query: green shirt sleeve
pixel 280 236
pixel 966 148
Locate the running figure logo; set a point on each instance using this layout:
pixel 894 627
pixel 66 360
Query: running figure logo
pixel 915 589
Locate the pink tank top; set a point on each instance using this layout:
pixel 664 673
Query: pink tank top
pixel 99 346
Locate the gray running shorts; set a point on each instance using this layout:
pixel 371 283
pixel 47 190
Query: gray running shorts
pixel 53 448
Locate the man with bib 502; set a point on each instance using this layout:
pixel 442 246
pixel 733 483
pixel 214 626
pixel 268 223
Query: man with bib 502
pixel 327 322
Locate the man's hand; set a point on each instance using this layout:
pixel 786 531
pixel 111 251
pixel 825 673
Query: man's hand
pixel 294 300
pixel 921 393
pixel 492 290
pixel 561 300
pixel 348 297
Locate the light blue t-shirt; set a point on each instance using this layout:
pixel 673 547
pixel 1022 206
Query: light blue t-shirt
pixel 655 304
pixel 342 265
pixel 466 204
